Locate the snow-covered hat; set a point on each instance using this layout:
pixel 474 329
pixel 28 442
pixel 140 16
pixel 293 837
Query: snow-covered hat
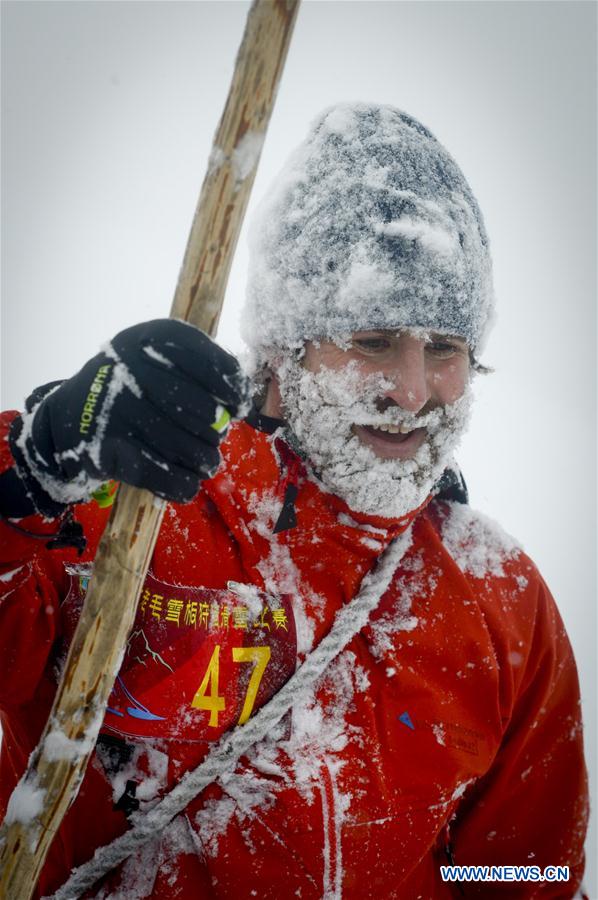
pixel 371 224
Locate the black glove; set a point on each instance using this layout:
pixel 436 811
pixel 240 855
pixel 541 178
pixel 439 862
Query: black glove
pixel 149 410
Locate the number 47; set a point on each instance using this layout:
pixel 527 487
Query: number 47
pixel 207 696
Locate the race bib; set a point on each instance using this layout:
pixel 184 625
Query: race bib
pixel 198 661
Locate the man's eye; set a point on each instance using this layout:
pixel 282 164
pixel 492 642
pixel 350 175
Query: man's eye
pixel 442 349
pixel 371 345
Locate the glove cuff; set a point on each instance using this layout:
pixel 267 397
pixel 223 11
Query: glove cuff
pixel 42 502
pixel 31 442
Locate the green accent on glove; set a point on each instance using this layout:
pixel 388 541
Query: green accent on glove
pixel 222 419
pixel 105 494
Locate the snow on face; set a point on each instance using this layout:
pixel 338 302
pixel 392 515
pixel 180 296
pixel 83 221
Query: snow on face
pixel 323 409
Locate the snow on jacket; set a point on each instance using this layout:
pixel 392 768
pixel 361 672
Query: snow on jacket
pixel 447 730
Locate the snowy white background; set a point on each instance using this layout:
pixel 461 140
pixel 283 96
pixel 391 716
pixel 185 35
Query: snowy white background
pixel 108 110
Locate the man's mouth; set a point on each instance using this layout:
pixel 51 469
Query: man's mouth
pixel 391 441
pixel 390 429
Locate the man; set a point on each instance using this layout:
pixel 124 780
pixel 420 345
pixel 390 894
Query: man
pixel 448 728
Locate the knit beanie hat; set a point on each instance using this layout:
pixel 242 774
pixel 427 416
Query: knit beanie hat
pixel 370 225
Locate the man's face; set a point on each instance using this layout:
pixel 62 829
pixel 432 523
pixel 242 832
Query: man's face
pixel 422 372
pixel 378 414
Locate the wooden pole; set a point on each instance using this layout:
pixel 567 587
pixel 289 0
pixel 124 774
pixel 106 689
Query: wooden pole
pixel 57 766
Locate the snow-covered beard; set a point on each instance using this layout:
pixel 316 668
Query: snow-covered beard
pixel 321 409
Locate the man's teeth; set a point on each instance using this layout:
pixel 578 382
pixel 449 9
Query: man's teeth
pixel 394 429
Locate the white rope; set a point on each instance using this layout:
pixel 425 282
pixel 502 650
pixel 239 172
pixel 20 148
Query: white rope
pixel 224 755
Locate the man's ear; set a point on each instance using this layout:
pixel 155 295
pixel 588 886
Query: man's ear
pixel 272 401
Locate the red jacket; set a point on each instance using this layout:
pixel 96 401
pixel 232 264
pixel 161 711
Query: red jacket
pixel 448 729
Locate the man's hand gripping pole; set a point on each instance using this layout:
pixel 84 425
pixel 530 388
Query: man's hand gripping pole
pixel 52 779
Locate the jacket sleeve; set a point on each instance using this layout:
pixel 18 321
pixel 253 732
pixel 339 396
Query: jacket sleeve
pixel 531 807
pixel 30 587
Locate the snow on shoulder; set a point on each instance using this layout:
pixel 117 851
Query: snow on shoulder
pixel 477 543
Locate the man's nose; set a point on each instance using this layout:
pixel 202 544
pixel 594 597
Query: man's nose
pixel 408 375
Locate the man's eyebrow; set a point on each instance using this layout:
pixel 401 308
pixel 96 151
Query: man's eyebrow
pixel 391 333
pixel 437 336
pixel 387 332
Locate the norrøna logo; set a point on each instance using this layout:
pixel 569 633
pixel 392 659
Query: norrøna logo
pixel 95 390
